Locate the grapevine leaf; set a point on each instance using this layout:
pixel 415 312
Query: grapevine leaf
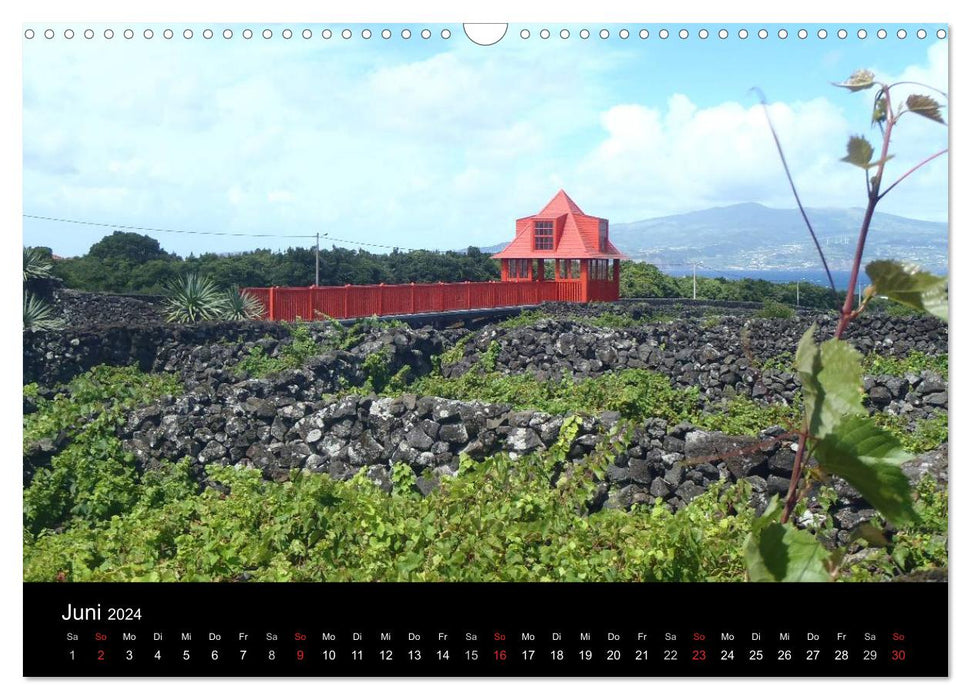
pixel 910 285
pixel 832 379
pixel 869 458
pixel 861 79
pixel 859 152
pixel 783 553
pixel 926 107
pixel 879 110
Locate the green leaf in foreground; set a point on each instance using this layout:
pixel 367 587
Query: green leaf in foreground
pixel 869 458
pixel 776 552
pixel 909 284
pixel 860 80
pixel 832 377
pixel 859 152
pixel 926 107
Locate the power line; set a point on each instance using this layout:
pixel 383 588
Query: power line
pixel 326 236
pixel 163 230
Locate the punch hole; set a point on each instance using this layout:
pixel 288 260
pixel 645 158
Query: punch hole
pixel 584 33
pixel 267 33
pixel 168 34
pixel 861 34
pixel 783 34
pixel 366 34
pixel 722 33
pixel 128 34
pixel 228 34
pixel 385 33
pixel 148 34
pixel 802 33
pixel 544 34
pixel 821 34
pixel 524 34
pixel 941 34
pixel 68 33
pixel 326 34
pixel 643 34
pixel 842 34
pixel 564 33
pixel 604 34
pixel 109 34
pixel 287 34
pixel 743 34
pixel 89 34
pixel 426 33
pixel 346 34
pixel 664 33
pixel 623 34
pixel 306 33
pixel 447 34
pixel 683 33
pixel 29 34
pixel 921 34
pixel 49 33
pixel 901 33
pixel 187 33
pixel 703 34
pixel 881 34
pixel 763 34
pixel 405 33
pixel 207 34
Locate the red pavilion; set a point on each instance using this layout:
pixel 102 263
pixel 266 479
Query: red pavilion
pixel 583 263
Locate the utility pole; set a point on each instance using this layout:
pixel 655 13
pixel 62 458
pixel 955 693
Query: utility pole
pixel 317 260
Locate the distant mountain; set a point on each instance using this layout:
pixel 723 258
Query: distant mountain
pixel 754 237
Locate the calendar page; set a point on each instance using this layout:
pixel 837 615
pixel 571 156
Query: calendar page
pixel 534 349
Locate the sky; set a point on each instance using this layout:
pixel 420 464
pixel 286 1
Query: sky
pixel 440 143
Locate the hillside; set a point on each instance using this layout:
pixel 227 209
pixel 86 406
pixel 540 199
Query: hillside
pixel 753 237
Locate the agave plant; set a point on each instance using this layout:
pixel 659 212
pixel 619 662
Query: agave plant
pixel 35 266
pixel 39 315
pixel 241 306
pixel 193 298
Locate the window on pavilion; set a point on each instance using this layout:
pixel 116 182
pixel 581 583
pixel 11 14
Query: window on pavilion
pixel 543 235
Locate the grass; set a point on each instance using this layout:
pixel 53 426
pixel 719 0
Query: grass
pixel 914 363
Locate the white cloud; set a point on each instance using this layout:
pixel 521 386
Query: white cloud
pixel 654 162
pixel 441 150
pixel 661 162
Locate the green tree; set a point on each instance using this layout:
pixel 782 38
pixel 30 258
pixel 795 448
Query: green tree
pixel 132 247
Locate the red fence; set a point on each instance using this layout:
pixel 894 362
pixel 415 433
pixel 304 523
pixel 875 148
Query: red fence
pixel 355 301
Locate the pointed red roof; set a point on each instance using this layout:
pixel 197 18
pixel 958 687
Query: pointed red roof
pixel 560 204
pixel 576 235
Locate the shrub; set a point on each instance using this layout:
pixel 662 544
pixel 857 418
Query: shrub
pixel 36 265
pixel 291 355
pixel 39 315
pixel 191 299
pixel 242 306
pixel 775 309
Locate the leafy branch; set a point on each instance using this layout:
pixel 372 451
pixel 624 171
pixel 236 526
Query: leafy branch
pixel 837 437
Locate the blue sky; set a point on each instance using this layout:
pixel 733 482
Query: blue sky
pixel 441 143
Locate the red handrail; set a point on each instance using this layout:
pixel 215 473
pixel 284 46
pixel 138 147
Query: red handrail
pixel 356 301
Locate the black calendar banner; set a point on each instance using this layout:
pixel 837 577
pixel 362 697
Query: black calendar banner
pixel 563 629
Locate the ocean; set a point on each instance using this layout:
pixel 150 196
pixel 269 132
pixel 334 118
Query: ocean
pixel 840 277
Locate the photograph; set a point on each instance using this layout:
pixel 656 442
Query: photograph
pixel 485 304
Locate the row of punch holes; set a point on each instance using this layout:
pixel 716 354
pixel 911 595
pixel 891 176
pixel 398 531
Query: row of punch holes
pixel 447 34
